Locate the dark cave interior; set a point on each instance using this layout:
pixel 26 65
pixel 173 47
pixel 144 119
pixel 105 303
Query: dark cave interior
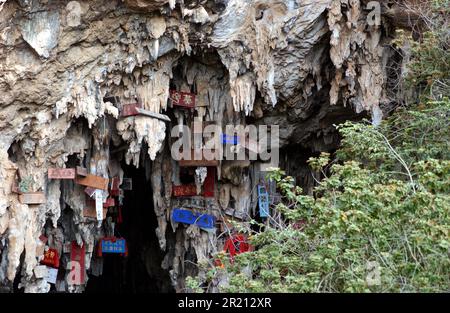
pixel 140 271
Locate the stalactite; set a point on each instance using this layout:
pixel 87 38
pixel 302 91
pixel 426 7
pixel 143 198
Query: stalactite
pixel 69 70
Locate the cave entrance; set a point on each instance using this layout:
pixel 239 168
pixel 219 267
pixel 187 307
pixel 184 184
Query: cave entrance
pixel 140 271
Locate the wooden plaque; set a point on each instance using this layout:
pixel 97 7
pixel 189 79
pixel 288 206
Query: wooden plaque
pixel 184 190
pixel 109 202
pixel 202 162
pixel 32 198
pixel 135 109
pixel 77 254
pixel 61 173
pixel 81 171
pixel 182 99
pixel 93 181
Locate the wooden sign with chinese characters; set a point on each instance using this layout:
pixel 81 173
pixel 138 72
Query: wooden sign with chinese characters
pixel 189 217
pixel 202 162
pixel 51 258
pixel 77 254
pixel 81 171
pixel 99 205
pixel 112 245
pixel 32 198
pixel 61 173
pixel 184 190
pixel 135 109
pixel 263 201
pixel 93 181
pixel 182 99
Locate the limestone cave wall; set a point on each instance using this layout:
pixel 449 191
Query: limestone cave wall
pixel 68 68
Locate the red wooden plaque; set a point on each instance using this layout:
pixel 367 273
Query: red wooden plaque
pixel 61 173
pixel 209 183
pixel 109 202
pixel 130 109
pixel 115 181
pixel 182 99
pixel 77 254
pixel 51 258
pixel 184 190
pixel 236 245
pixel 43 239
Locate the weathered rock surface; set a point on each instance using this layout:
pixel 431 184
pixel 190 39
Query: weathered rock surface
pixel 304 65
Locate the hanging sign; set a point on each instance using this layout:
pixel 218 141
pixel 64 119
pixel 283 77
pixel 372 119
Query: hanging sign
pixel 112 245
pixel 51 258
pixel 43 238
pixel 189 217
pixel 231 140
pixel 115 181
pixel 93 181
pixel 77 256
pixel 61 173
pixel 263 201
pixel 184 190
pixel 182 99
pixel 130 109
pixel 236 245
pixel 109 203
pixel 209 183
pixel 52 274
pixel 90 191
pixel 99 205
pixel 81 171
pixel 202 162
pixel 32 198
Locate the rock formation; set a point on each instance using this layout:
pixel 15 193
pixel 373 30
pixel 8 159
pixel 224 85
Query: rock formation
pixel 68 68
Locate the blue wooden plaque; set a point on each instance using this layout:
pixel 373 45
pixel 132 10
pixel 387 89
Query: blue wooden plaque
pixel 231 140
pixel 263 201
pixel 189 217
pixel 109 246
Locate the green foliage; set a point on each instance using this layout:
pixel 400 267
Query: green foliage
pixel 367 229
pixel 430 60
pixel 418 134
pixel 379 221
